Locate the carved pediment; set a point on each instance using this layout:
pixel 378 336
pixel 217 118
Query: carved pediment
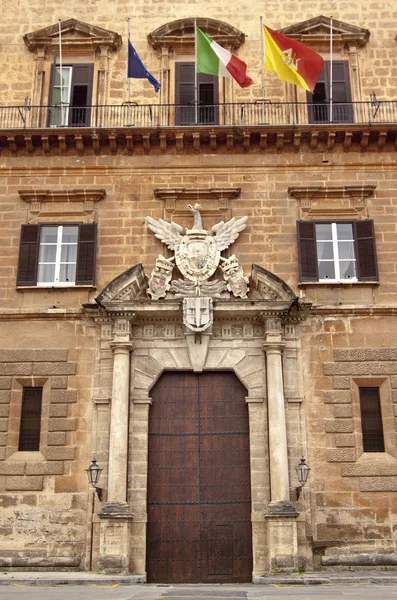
pixel 317 31
pixel 270 287
pixel 180 34
pixel 128 286
pixel 75 34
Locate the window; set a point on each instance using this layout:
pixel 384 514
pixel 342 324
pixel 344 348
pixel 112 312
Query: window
pixel 30 427
pixel 319 108
pixel 371 420
pixel 340 251
pixel 57 255
pixel 207 93
pixel 70 95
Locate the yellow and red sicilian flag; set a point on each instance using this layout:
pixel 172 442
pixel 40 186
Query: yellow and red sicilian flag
pixel 292 61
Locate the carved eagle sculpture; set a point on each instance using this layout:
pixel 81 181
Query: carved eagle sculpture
pixel 171 233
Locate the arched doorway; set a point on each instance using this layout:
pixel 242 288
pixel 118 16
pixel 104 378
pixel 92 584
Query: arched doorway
pixel 199 493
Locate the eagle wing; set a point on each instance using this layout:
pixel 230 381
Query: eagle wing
pixel 168 233
pixel 227 233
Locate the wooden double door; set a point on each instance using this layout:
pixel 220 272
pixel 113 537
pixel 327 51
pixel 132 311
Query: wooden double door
pixel 199 499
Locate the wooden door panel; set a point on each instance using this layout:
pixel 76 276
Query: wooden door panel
pixel 199 502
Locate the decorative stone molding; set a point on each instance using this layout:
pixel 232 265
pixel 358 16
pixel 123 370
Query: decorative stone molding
pixel 180 34
pixel 270 287
pixel 131 284
pixel 65 202
pixel 319 202
pixel 75 35
pixel 175 201
pixel 316 31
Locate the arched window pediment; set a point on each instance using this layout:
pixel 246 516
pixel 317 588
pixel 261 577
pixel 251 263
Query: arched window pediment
pixel 180 34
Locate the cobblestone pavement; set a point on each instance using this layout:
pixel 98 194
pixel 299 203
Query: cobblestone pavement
pixel 90 591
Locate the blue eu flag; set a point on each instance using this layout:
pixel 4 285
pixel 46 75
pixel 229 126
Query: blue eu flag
pixel 136 68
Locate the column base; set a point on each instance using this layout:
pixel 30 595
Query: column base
pixel 114 538
pixel 282 537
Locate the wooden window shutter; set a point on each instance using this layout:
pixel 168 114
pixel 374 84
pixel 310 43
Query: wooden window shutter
pixel 86 253
pixel 28 255
pixel 366 251
pixel 308 268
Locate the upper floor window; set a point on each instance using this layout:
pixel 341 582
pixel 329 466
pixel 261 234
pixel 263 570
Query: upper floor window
pixel 70 95
pixel 340 251
pixel 57 255
pixel 207 96
pixel 319 102
pixel 30 424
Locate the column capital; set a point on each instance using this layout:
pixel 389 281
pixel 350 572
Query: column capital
pixel 121 346
pixel 273 347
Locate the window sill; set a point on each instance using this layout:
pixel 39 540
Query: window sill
pixel 340 284
pixel 22 288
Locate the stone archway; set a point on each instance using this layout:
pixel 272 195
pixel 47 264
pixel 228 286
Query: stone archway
pixel 248 337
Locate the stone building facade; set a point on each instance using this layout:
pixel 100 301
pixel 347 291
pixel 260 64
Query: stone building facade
pixel 308 355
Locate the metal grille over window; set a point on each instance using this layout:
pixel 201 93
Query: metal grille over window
pixel 371 420
pixel 29 435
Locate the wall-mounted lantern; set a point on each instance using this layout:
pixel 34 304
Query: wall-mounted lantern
pixel 303 472
pixel 93 474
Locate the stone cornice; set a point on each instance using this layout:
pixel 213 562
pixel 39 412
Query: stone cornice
pixel 316 32
pixel 198 140
pixel 64 195
pixel 75 34
pixel 310 192
pixel 196 193
pixel 180 34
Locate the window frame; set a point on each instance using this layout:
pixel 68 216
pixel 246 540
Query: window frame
pixel 364 251
pixel 336 260
pixel 58 255
pixel 365 430
pixel 25 419
pixel 29 252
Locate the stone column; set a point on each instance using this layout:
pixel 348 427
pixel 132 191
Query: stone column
pixel 114 543
pixel 281 514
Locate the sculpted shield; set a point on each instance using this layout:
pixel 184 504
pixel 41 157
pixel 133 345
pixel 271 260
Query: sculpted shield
pixel 197 257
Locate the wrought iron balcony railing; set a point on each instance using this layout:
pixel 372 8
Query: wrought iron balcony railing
pixel 262 113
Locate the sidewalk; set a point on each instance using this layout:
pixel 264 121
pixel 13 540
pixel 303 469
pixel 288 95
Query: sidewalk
pixel 48 578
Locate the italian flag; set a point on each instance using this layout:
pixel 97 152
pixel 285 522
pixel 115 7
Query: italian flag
pixel 212 59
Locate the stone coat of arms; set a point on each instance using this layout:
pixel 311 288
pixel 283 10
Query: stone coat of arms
pixel 197 256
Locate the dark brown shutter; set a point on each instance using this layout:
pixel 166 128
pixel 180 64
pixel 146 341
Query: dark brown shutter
pixel 308 268
pixel 28 255
pixel 371 420
pixel 85 269
pixel 30 425
pixel 367 269
pixel 184 93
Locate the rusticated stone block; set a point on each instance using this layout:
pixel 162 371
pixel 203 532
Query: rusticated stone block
pixel 341 455
pixel 30 483
pixel 12 468
pixel 4 410
pixel 344 440
pixel 341 383
pixel 15 369
pixel 53 368
pixel 338 396
pixel 57 438
pixel 44 468
pixel 3 424
pixel 394 396
pixel 59 382
pixel 394 381
pixel 378 484
pixel 63 396
pixel 343 410
pixel 40 355
pixel 59 453
pixel 355 368
pixel 3 438
pixel 376 469
pixel 5 383
pixel 5 397
pixel 338 425
pixel 350 354
pixel 61 424
pixel 59 410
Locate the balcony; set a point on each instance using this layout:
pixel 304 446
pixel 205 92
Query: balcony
pixel 259 113
pixel 200 128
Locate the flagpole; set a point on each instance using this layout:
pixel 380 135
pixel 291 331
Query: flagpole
pixel 330 72
pixel 195 74
pixel 60 66
pixel 128 50
pixel 263 59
